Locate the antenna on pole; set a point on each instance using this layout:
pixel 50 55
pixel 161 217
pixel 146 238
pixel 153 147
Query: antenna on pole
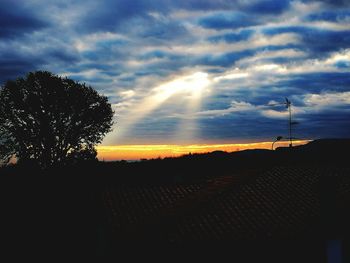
pixel 289 107
pixel 288 104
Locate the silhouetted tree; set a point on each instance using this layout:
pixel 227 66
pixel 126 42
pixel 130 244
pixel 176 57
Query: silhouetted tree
pixel 47 119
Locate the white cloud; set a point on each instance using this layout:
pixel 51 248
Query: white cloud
pixel 325 100
pixel 313 103
pixel 88 42
pixel 338 56
pixel 236 106
pixel 232 75
pixel 125 94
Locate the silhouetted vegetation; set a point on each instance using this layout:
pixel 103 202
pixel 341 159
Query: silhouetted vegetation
pixel 93 209
pixel 48 120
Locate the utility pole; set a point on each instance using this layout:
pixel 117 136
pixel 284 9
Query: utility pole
pixel 289 106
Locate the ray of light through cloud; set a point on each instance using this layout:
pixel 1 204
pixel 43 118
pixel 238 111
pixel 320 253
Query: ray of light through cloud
pixel 191 86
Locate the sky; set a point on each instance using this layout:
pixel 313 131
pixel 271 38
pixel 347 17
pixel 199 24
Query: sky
pixel 190 72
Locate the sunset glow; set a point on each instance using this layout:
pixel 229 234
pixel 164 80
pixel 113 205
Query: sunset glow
pixel 137 152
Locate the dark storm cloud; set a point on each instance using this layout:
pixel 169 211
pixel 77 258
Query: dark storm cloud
pixel 103 55
pixel 155 30
pixel 14 68
pixel 64 56
pixel 230 58
pixel 16 21
pixel 295 85
pixel 316 82
pixel 269 6
pixel 331 3
pixel 114 15
pixel 14 64
pixel 331 16
pixel 232 20
pixel 16 60
pixel 238 126
pixel 324 124
pixel 233 37
pixel 110 15
pixel 164 67
pixel 224 60
pixel 164 30
pixel 146 132
pixel 314 40
pixel 123 15
pixel 160 54
pixel 203 5
pixel 93 65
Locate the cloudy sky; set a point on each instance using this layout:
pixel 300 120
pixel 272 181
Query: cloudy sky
pixel 191 71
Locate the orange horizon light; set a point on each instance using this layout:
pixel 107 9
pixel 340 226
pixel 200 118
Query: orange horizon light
pixel 137 152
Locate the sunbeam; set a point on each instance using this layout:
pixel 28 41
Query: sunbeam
pixel 191 85
pixel 187 128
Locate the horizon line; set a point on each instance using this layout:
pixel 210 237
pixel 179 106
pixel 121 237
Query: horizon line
pixel 134 152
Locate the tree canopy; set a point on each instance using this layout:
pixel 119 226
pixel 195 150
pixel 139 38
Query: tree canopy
pixel 47 119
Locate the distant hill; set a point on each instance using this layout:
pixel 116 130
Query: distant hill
pixel 326 145
pixel 208 165
pixel 323 151
pixel 331 148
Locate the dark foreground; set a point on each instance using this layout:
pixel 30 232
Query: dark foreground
pixel 284 206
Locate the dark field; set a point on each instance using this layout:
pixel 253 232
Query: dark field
pixel 288 205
